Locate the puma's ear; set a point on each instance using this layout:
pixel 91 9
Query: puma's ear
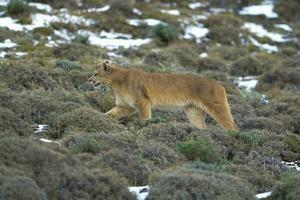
pixel 106 67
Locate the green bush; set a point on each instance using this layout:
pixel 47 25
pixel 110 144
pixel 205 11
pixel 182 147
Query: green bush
pixel 224 28
pixel 210 63
pixel 85 145
pixel 288 9
pixel 17 7
pixel 293 142
pixel 165 33
pixel 84 119
pixel 58 174
pixel 200 185
pixel 199 150
pixel 123 6
pixel 287 188
pixel 68 65
pixel 58 3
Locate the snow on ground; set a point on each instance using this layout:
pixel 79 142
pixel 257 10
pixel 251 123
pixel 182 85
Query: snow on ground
pixel 171 12
pixel 267 47
pixel 137 11
pixel 263 195
pixel 266 8
pixel 195 32
pixel 148 22
pixel 41 128
pixel 141 192
pixel 284 27
pixel 44 20
pixel 294 165
pixel 7 44
pixel 2 54
pixel 112 42
pixel 260 31
pixel 41 6
pixel 113 35
pixel 197 5
pixel 3 2
pixel 248 82
pixel 203 55
pixel 102 9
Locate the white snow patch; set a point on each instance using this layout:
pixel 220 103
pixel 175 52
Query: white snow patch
pixel 44 20
pixel 114 54
pixel 203 55
pixel 46 140
pixel 294 165
pixel 197 5
pixel 21 54
pixel 2 54
pixel 141 192
pixel 113 35
pixel 219 10
pixel 112 43
pixel 267 47
pixel 102 9
pixel 137 11
pixel 264 9
pixel 171 12
pixel 7 44
pixel 263 195
pixel 195 32
pixel 284 27
pixel 41 128
pixel 260 31
pixel 248 82
pixel 148 22
pixel 41 6
pixel 4 2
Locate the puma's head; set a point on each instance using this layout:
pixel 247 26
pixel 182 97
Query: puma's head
pixel 102 74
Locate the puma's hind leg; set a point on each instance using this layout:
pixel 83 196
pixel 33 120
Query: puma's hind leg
pixel 196 116
pixel 120 111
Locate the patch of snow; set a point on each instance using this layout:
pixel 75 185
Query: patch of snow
pixel 203 55
pixel 264 9
pixel 112 43
pixel 102 9
pixel 2 54
pixel 171 12
pixel 113 35
pixel 263 195
pixel 20 54
pixel 7 44
pixel 114 54
pixel 284 27
pixel 4 2
pixel 41 128
pixel 267 47
pixel 197 5
pixel 199 17
pixel 148 22
pixel 294 165
pixel 260 31
pixel 195 32
pixel 63 34
pixel 41 6
pixel 137 11
pixel 219 10
pixel 46 140
pixel 248 82
pixel 141 192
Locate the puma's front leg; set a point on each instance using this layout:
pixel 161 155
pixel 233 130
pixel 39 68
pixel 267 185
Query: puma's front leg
pixel 144 109
pixel 120 111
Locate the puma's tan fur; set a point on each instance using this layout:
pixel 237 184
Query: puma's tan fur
pixel 138 90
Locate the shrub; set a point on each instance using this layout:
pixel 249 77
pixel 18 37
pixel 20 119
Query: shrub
pixel 287 188
pixel 231 53
pixel 224 28
pixel 161 59
pixel 245 66
pixel 123 6
pixel 210 63
pixel 293 142
pixel 126 164
pixel 100 101
pixel 58 174
pixel 58 3
pixel 43 31
pixel 199 150
pixel 17 7
pixel 12 124
pixel 85 145
pixel 165 33
pixel 289 9
pixel 199 184
pixel 86 120
pixel 68 65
